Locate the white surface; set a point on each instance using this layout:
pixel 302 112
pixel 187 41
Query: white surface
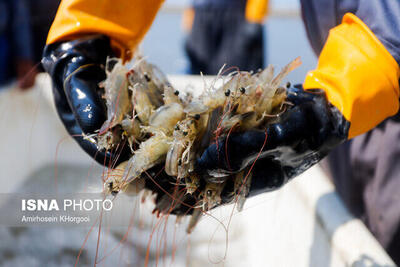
pixel 303 224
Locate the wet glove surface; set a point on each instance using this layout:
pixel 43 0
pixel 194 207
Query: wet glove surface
pixel 302 136
pixel 76 68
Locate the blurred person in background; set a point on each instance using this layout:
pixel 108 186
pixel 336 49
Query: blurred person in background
pixel 16 44
pixel 42 13
pixel 225 32
pixel 353 94
pixel 24 25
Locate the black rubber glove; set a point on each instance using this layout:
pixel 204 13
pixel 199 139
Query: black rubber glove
pixel 76 68
pixel 302 136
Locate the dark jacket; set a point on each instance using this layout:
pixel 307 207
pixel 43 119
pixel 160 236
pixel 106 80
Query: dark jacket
pixel 366 170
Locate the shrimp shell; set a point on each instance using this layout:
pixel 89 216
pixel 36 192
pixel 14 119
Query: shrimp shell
pixel 141 103
pixel 285 71
pixel 166 117
pixel 150 152
pixel 185 133
pixel 212 195
pixel 173 156
pixel 116 94
pixel 194 219
pixel 242 188
pixel 115 182
pixel 269 98
pixel 192 182
pixel 156 81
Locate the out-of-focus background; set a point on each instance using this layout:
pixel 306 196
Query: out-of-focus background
pixel 26 23
pixel 285 39
pixel 303 224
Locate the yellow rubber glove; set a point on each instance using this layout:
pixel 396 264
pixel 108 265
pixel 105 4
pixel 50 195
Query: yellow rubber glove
pixel 360 77
pixel 124 21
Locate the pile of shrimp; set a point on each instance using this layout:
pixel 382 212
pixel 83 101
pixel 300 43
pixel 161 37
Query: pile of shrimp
pixel 163 125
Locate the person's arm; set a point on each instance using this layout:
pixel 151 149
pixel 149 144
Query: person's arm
pixel 354 88
pixel 21 28
pixel 22 43
pixel 358 74
pixel 84 33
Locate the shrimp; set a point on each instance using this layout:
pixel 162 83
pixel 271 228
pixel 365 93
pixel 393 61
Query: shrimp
pixel 154 150
pixel 171 95
pixel 242 122
pixel 166 117
pixel 116 94
pixel 270 96
pixel 265 76
pixel 192 182
pixel 150 87
pixel 155 80
pixel 115 183
pixel 285 71
pixel 194 219
pixel 117 103
pixel 184 136
pixel 242 188
pixel 212 195
pixel 253 97
pixel 150 152
pixel 211 98
pixel 132 131
pixel 142 104
pixel 108 140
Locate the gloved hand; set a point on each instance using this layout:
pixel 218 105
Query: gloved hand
pixel 303 135
pixel 76 68
pixel 170 195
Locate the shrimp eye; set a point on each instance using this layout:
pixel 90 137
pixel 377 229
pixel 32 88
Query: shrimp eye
pixel 176 92
pixel 110 185
pixel 209 193
pixel 147 77
pixel 179 162
pixel 176 127
pixel 288 84
pixel 227 92
pixel 242 90
pixel 197 116
pixel 185 133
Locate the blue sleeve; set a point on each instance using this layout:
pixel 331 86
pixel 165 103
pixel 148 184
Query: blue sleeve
pixel 21 30
pixel 383 18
